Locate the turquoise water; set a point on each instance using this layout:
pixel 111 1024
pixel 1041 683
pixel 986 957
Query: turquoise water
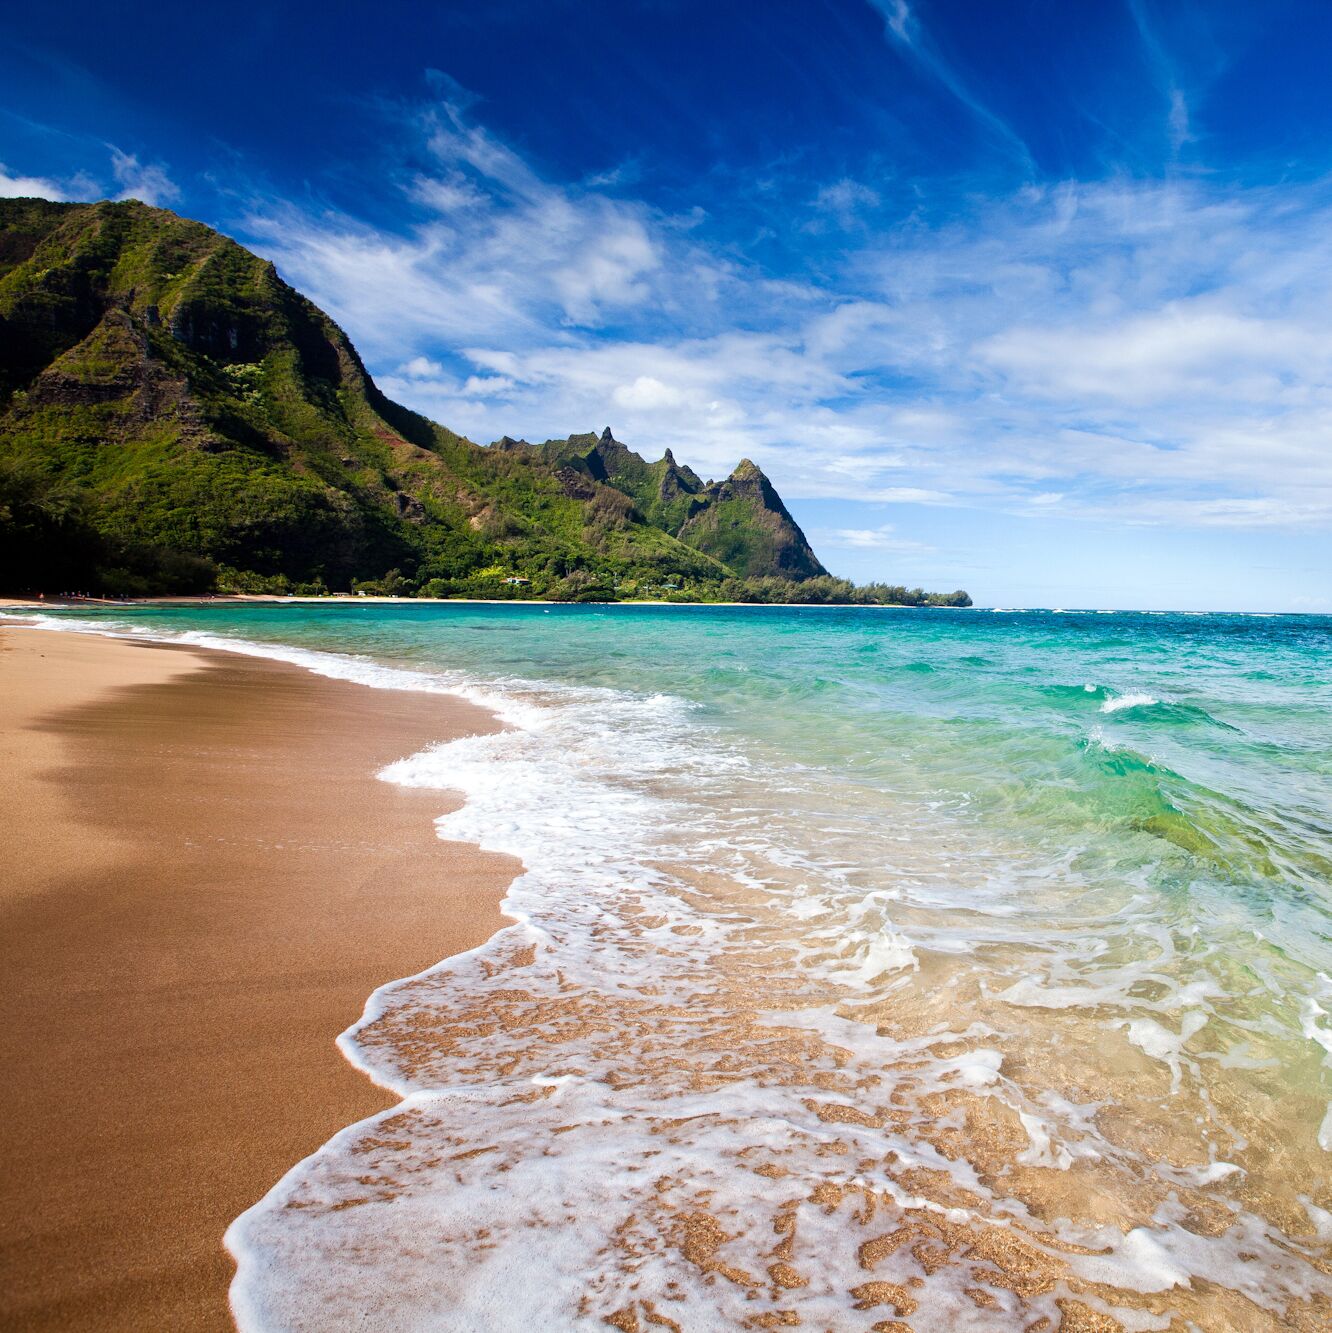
pixel 1195 749
pixel 1090 851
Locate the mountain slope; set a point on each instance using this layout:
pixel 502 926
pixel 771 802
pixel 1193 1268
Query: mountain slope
pixel 740 521
pixel 200 405
pixel 174 416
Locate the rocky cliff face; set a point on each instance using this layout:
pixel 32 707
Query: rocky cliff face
pixel 743 523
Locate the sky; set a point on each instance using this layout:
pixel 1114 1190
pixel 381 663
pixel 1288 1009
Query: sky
pixel 1031 298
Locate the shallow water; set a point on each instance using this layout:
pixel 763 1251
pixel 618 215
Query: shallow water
pixel 949 968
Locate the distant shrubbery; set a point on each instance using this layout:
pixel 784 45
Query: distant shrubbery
pixel 828 590
pixel 587 585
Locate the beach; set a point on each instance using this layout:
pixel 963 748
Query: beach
pixel 932 971
pixel 204 883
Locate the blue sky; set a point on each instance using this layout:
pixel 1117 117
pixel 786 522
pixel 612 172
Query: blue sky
pixel 1030 298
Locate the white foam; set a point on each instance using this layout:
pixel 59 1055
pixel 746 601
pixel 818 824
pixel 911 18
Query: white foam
pixel 1320 1217
pixel 1134 699
pixel 1161 1044
pixel 1140 1261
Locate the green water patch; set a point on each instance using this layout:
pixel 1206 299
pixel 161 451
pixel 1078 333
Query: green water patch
pixel 1169 713
pixel 1075 694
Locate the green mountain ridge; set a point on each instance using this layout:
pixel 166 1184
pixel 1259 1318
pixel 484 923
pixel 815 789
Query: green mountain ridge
pixel 174 416
pixel 740 521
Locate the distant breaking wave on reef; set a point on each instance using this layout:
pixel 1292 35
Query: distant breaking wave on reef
pixel 1113 703
pixel 839 992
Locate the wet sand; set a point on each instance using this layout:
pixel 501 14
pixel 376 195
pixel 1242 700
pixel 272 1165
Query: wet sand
pixel 202 884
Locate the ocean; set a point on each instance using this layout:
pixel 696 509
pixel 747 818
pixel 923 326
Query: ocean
pixel 879 968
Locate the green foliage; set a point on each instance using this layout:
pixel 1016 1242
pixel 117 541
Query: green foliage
pixel 48 543
pixel 829 591
pixel 172 414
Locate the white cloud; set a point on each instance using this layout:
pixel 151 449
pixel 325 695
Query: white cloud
pixel 882 538
pixel 147 182
pixel 22 187
pixel 486 386
pixel 499 254
pixel 446 193
pixel 1191 346
pixel 905 32
pixel 647 393
pixel 1142 352
pixel 1177 113
pixel 608 269
pixel 845 200
pixel 421 368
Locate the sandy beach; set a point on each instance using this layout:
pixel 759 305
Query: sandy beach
pixel 203 884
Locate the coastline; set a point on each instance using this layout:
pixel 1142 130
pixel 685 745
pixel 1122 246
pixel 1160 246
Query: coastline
pixel 18 604
pixel 670 1059
pixel 210 884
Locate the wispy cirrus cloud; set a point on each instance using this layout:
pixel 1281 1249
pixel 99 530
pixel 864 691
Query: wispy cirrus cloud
pixel 904 30
pixel 1178 125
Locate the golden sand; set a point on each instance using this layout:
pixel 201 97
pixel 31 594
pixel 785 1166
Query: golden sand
pixel 203 883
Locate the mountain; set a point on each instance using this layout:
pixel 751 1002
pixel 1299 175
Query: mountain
pixel 174 416
pixel 741 521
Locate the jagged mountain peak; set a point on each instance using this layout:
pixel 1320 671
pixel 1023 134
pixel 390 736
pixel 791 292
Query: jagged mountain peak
pixel 740 521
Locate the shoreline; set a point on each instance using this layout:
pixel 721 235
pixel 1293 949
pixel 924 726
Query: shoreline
pixel 212 884
pixel 354 599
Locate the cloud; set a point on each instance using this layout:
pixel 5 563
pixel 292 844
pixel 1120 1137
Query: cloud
pixel 906 34
pixel 882 538
pixel 1189 346
pixel 148 183
pixel 1177 114
pixel 494 252
pixel 646 392
pixel 486 386
pixel 845 201
pixel 421 368
pixel 77 187
pixel 447 193
pixel 19 187
pixel 1128 351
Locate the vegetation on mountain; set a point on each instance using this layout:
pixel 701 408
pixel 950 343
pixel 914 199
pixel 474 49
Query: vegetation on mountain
pixel 740 522
pixel 174 417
